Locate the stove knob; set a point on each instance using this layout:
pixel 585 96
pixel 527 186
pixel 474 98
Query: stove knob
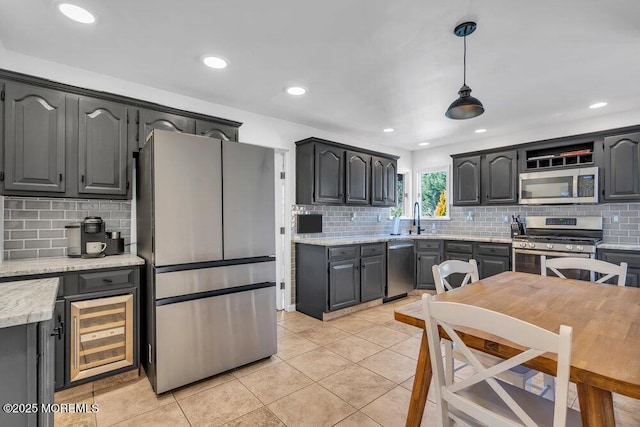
pixel 570 247
pixel 580 248
pixel 549 246
pixel 532 245
pixel 523 245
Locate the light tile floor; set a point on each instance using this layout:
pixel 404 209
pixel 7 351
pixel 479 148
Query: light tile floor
pixel 353 371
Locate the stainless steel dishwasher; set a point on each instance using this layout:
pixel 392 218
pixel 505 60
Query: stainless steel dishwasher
pixel 401 269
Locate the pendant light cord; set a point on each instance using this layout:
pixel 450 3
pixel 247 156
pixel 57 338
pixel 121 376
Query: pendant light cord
pixel 464 62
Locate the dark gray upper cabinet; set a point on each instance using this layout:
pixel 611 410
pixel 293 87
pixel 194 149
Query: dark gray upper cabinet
pixel 102 147
pixel 149 120
pixel 622 168
pixel 216 130
pixel 329 174
pixel 34 139
pixel 358 180
pixel 466 180
pixel 500 178
pixel 384 176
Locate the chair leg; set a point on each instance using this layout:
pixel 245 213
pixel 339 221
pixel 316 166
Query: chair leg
pixel 549 387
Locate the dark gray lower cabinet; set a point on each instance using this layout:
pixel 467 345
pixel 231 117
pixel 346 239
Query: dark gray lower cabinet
pixel 492 258
pixel 26 371
pixel 632 258
pixel 344 284
pixel 336 277
pixel 59 334
pixel 76 287
pixel 373 277
pixel 428 254
pixel 460 251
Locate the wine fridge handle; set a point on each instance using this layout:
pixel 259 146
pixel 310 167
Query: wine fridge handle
pixel 76 354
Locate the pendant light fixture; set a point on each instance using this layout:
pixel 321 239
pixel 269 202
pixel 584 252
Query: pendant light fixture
pixel 466 106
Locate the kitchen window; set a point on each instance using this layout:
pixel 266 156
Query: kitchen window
pixel 432 186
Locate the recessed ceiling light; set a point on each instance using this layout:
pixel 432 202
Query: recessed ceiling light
pixel 480 130
pixel 77 13
pixel 296 90
pixel 387 130
pixel 597 105
pixel 424 144
pixel 215 62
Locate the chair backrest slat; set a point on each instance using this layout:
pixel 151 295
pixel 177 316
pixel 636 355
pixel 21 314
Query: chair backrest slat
pixel 607 269
pixel 442 271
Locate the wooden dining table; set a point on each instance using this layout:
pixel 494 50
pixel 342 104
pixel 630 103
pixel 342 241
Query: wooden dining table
pixel 605 353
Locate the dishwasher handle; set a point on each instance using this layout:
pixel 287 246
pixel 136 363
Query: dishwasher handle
pixel 393 246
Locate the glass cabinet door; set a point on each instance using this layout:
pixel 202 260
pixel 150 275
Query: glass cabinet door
pixel 101 336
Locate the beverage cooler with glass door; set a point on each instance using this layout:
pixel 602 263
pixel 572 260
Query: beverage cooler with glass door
pixel 101 336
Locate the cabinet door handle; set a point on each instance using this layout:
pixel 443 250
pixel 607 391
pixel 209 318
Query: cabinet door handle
pixel 60 176
pixel 108 281
pixel 82 178
pixel 76 355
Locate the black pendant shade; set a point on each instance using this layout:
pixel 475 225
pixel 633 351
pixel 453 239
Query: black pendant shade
pixel 466 106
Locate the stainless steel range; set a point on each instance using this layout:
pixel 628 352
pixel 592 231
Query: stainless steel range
pixel 553 237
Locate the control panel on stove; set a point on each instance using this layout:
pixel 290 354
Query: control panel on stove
pixel 561 221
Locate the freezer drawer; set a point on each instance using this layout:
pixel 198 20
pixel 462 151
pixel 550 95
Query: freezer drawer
pixel 199 338
pixel 186 282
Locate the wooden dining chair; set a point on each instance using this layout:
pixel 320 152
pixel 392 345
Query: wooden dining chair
pixel 483 398
pixel 606 269
pixel 518 375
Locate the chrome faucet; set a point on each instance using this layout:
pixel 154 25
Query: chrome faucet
pixel 416 208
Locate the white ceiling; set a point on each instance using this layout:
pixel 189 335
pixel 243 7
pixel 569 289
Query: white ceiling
pixel 368 64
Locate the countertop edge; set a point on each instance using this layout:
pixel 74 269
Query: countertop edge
pixel 32 310
pixel 30 267
pixel 354 240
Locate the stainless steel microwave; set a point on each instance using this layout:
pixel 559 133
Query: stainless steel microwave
pixel 579 185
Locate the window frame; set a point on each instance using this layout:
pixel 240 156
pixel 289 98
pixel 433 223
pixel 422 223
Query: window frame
pixel 418 190
pixel 406 197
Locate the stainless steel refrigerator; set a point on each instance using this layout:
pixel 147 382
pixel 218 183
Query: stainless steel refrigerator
pixel 206 227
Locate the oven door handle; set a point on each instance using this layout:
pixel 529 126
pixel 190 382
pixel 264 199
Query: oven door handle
pixel 550 253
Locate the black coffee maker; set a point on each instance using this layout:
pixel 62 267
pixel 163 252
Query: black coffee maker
pixel 517 227
pixel 92 237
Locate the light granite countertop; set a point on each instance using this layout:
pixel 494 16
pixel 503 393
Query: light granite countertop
pixel 619 246
pixel 27 301
pixel 353 240
pixel 28 267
